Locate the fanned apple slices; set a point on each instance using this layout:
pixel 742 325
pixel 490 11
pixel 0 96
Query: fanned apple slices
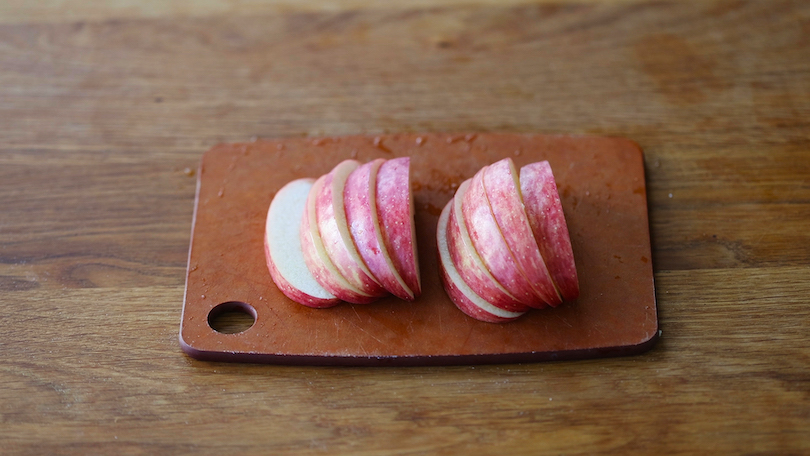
pixel 504 245
pixel 347 236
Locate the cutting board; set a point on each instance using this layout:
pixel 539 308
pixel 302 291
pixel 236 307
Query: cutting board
pixel 602 187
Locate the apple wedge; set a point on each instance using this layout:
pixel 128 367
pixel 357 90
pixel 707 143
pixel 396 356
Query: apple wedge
pixel 459 292
pixel 490 244
pixel 545 213
pixel 316 258
pixel 360 200
pixel 282 248
pixel 502 187
pixel 469 264
pixel 333 228
pixel 395 213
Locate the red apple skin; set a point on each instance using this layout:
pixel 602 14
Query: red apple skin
pixel 469 265
pixel 335 233
pixel 395 212
pixel 502 187
pixel 462 295
pixel 490 244
pixel 545 213
pixel 294 193
pixel 318 261
pixel 360 200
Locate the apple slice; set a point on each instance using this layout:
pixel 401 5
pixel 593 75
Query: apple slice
pixel 316 258
pixel 545 212
pixel 282 248
pixel 395 212
pixel 360 200
pixel 490 244
pixel 459 292
pixel 333 227
pixel 502 187
pixel 469 264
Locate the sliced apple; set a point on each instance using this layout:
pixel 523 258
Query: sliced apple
pixel 282 248
pixel 395 213
pixel 316 258
pixel 502 187
pixel 546 218
pixel 490 244
pixel 335 233
pixel 469 264
pixel 360 200
pixel 459 292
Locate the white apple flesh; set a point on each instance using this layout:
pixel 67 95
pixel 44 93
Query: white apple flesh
pixel 283 254
pixel 334 230
pixel 395 212
pixel 360 200
pixel 469 264
pixel 545 213
pixel 459 292
pixel 502 187
pixel 318 261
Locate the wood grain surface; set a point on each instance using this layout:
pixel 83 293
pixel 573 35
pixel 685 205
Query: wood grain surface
pixel 107 107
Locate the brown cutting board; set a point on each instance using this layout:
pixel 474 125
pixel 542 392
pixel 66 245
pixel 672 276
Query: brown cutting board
pixel 602 186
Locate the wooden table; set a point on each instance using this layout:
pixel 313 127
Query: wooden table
pixel 107 107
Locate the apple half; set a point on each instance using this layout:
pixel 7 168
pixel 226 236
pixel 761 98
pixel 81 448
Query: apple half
pixel 504 245
pixel 353 235
pixel 284 257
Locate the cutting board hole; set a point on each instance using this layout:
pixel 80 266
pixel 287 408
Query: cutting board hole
pixel 232 317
